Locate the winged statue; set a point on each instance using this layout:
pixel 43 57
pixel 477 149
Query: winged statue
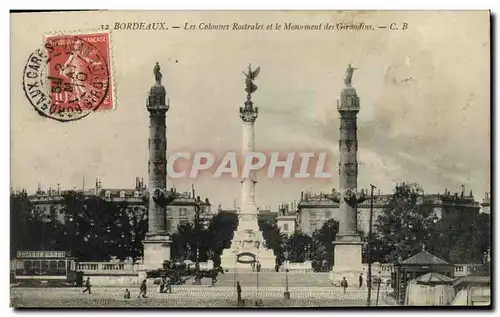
pixel 251 75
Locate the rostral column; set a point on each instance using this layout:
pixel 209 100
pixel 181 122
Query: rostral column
pixel 157 241
pixel 247 239
pixel 348 245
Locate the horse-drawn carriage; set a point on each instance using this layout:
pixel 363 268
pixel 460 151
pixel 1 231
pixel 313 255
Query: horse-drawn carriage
pixel 180 272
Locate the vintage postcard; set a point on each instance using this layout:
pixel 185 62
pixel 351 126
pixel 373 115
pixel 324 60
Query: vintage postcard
pixel 250 159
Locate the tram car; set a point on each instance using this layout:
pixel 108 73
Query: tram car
pixel 45 268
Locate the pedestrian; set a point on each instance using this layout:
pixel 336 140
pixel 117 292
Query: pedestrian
pixel 343 284
pixel 360 280
pixel 238 290
pixel 143 289
pixel 87 286
pixel 127 294
pixel 162 284
pixel 168 285
pixel 214 277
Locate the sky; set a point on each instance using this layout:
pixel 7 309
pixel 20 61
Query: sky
pixel 424 97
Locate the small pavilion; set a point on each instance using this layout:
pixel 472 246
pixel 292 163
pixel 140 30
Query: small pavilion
pixel 416 266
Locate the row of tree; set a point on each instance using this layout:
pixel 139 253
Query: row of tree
pixel 94 229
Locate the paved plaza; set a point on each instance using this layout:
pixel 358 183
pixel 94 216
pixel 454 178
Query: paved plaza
pixel 189 296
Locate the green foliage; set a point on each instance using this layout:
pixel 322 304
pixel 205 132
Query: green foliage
pixel 273 237
pixel 183 245
pixel 221 230
pixel 463 235
pixel 322 248
pixel 296 246
pixel 403 225
pixel 91 228
pixel 408 223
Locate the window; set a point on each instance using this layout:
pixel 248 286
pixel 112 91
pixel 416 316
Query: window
pixel 169 224
pixel 312 214
pixel 182 212
pixel 52 267
pixel 285 227
pixel 61 267
pixel 107 194
pixel 44 267
pixel 122 194
pixel 328 214
pixel 182 222
pixel 459 268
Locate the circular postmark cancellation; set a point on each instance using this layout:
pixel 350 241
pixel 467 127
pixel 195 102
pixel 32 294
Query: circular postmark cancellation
pixel 67 79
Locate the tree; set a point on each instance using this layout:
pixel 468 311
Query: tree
pixel 184 243
pixel 463 234
pixel 96 230
pixel 403 226
pixel 481 240
pixel 296 246
pixel 26 224
pixel 139 225
pixel 325 238
pixel 221 230
pixel 273 237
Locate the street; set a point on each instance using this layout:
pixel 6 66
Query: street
pixel 191 296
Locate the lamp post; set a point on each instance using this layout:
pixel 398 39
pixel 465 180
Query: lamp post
pixel 197 228
pixel 287 292
pixel 306 256
pixel 369 249
pixel 257 264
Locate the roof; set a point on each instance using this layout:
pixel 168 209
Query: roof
pixel 433 278
pixel 472 279
pixel 424 258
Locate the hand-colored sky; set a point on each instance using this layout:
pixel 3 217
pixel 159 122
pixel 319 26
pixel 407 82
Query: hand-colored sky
pixel 425 106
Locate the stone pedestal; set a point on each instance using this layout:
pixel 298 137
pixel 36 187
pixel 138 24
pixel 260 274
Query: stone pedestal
pixel 247 241
pixel 347 262
pixel 156 251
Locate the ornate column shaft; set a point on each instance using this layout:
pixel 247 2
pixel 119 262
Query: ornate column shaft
pixel 157 168
pixel 348 163
pixel 248 212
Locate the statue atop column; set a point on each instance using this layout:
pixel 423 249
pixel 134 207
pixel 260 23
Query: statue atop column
pixel 157 73
pixel 249 113
pixel 348 75
pixel 250 77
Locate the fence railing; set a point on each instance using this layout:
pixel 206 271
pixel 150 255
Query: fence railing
pixel 108 267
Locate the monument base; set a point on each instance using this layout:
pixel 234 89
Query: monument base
pixel 156 250
pixel 248 241
pixel 347 262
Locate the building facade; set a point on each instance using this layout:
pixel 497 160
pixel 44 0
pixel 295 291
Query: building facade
pixel 316 208
pixel 486 204
pixel 180 211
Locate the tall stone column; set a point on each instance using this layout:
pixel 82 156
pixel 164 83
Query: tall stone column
pixel 348 245
pixel 248 211
pixel 248 241
pixel 157 241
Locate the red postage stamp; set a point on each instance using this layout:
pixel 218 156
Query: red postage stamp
pixel 71 76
